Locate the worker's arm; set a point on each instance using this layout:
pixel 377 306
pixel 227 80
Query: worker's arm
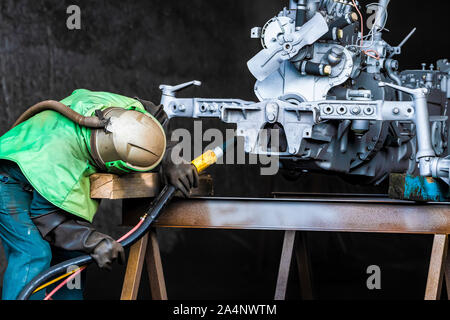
pixel 64 231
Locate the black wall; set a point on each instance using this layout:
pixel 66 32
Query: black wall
pixel 130 47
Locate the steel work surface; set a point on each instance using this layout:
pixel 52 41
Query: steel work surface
pixel 312 214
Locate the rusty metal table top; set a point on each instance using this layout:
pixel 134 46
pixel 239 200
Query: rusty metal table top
pixel 309 214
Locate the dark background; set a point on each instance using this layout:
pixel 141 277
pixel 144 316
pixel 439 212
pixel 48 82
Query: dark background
pixel 130 47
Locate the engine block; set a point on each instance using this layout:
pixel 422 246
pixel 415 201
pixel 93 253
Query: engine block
pixel 334 98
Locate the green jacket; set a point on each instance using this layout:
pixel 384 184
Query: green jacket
pixel 53 152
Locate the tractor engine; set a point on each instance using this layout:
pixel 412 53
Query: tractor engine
pixel 334 99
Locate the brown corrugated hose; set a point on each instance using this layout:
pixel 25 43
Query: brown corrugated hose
pixel 90 122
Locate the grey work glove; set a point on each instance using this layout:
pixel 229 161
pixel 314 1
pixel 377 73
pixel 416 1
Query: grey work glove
pixel 63 231
pixel 106 252
pixel 183 176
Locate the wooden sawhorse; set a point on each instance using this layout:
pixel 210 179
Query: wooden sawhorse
pixel 146 248
pixel 381 216
pixel 289 215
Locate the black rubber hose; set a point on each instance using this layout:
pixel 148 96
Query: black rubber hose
pixel 300 15
pixel 153 212
pixel 90 122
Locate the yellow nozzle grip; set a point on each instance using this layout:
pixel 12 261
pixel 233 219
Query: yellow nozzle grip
pixel 205 160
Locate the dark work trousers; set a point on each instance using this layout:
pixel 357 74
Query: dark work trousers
pixel 28 254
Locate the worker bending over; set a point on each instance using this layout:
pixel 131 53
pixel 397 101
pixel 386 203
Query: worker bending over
pixel 45 163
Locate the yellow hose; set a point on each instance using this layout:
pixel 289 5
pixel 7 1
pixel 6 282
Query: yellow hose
pixel 54 280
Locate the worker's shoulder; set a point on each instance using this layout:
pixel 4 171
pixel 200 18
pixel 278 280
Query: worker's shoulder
pixel 91 99
pixel 101 95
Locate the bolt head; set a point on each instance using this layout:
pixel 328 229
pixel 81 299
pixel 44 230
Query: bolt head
pixel 356 110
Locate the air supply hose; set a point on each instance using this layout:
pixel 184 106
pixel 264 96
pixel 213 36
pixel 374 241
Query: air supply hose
pixel 153 212
pixel 200 163
pixel 90 122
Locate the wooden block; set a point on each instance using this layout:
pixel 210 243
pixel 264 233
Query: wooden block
pixel 407 187
pixel 134 185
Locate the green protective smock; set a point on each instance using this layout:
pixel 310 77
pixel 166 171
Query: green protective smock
pixel 53 152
